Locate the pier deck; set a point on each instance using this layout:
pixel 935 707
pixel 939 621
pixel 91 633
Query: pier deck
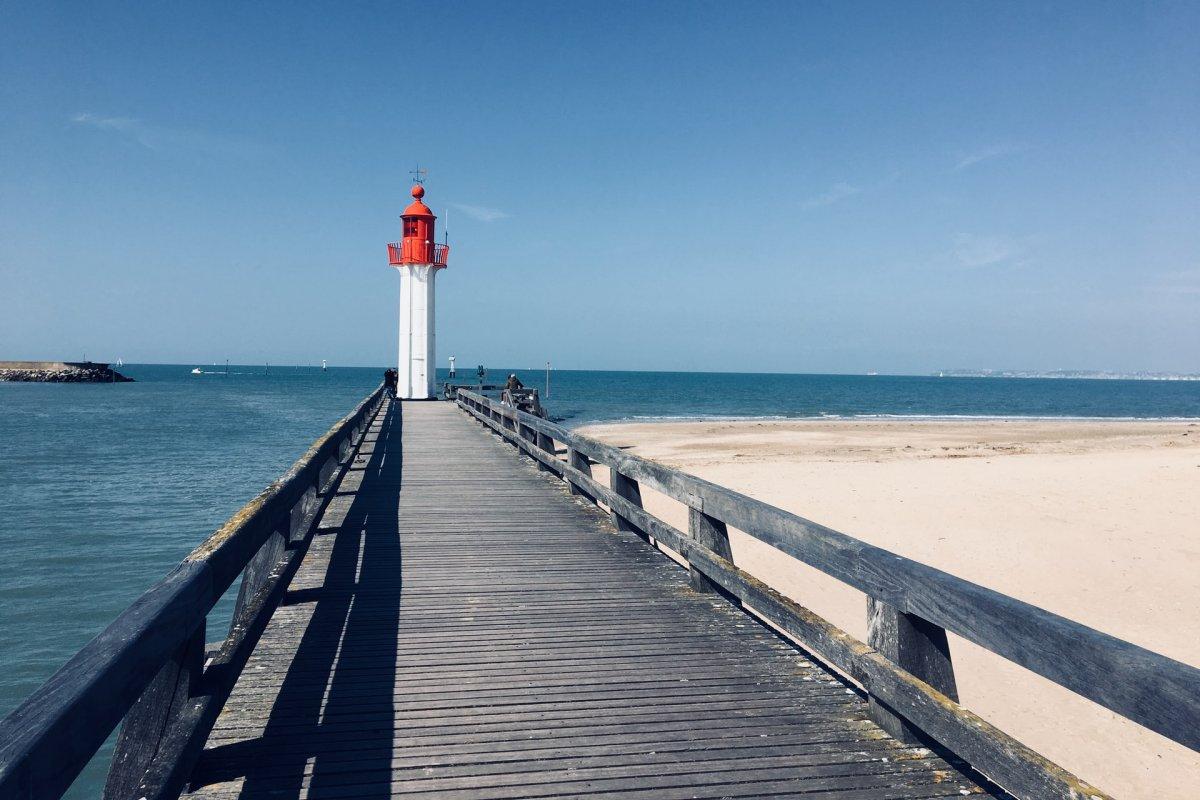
pixel 462 627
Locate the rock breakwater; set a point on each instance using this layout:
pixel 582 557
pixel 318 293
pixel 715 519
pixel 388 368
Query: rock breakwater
pixel 59 372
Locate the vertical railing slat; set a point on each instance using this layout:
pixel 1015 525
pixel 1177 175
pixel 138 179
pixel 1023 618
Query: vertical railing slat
pixel 915 645
pixel 149 721
pixel 580 462
pixel 629 489
pixel 713 534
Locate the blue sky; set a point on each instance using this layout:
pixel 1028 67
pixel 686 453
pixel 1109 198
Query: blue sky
pixel 792 187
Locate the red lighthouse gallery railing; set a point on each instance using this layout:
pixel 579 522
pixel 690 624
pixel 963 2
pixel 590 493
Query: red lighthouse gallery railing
pixel 412 251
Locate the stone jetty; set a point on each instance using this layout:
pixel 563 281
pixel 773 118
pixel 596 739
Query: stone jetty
pixel 60 372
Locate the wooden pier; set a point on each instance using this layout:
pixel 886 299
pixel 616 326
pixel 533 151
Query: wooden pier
pixel 426 610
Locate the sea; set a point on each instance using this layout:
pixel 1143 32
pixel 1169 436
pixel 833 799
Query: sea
pixel 105 487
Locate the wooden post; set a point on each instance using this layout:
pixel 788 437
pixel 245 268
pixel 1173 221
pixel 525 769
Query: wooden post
pixel 629 489
pixel 580 462
pixel 916 646
pixel 150 721
pixel 544 442
pixel 259 568
pixel 712 533
pixel 328 472
pixel 299 516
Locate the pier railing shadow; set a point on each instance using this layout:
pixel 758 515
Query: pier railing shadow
pixel 905 666
pixel 340 680
pixel 151 670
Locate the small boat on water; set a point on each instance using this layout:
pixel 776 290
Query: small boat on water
pixel 197 371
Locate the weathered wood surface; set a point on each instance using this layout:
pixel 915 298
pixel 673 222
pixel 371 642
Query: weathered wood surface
pixel 1148 688
pixel 916 646
pixel 903 701
pixel 145 668
pixel 462 627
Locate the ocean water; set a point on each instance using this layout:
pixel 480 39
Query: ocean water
pixel 577 398
pixel 105 487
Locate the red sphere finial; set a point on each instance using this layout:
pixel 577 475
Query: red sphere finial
pixel 418 191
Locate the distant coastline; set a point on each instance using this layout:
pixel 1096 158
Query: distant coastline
pixel 59 372
pixel 1067 374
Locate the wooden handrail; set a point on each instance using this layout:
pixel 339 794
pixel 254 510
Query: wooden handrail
pixel 148 666
pixel 906 669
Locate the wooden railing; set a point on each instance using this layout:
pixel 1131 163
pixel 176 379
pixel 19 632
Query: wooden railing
pixel 150 667
pixel 905 666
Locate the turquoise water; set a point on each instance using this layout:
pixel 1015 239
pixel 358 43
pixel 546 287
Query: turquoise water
pixel 581 397
pixel 105 487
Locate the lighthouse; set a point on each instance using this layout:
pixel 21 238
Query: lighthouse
pixel 418 258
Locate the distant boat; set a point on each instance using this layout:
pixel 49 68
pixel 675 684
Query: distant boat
pixel 872 373
pixel 197 371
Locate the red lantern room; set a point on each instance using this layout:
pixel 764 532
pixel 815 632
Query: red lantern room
pixel 418 246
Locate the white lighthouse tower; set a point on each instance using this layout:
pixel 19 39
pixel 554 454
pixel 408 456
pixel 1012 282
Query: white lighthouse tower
pixel 418 258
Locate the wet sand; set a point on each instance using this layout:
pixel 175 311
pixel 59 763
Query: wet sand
pixel 1097 521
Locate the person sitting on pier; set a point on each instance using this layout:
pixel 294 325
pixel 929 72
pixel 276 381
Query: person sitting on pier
pixel 513 383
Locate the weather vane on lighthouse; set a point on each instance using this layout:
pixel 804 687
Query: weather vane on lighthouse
pixel 418 258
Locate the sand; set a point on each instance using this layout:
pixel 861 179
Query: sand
pixel 1097 521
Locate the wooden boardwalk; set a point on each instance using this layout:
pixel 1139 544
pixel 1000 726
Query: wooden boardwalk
pixel 462 627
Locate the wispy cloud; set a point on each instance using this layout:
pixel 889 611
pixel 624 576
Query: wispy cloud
pixel 975 251
pixel 839 192
pixel 843 190
pixel 165 139
pixel 481 213
pixel 967 160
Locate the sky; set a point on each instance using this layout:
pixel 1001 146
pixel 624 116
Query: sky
pixel 750 187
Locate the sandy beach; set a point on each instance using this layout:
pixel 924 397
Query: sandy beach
pixel 1097 521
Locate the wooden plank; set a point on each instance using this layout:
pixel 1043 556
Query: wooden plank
pixel 1022 771
pixel 468 630
pixel 1150 689
pixel 1018 769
